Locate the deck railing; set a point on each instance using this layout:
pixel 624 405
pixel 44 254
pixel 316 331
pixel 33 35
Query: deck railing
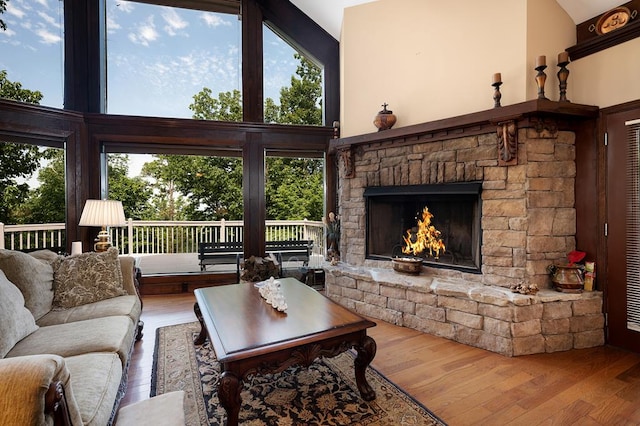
pixel 163 237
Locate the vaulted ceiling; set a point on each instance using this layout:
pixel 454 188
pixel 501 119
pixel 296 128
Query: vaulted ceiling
pixel 328 13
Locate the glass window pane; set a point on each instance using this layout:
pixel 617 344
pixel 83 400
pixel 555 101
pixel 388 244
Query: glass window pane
pixel 176 202
pixel 160 57
pixel 32 49
pixel 292 84
pixel 295 204
pixel 32 196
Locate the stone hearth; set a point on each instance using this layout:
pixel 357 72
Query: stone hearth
pixel 528 222
pixel 487 317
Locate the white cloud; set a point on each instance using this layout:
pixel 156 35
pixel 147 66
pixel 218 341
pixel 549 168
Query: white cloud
pixel 15 11
pixel 212 20
pixel 125 6
pixel 47 37
pixel 112 25
pixel 8 32
pixel 49 19
pixel 174 21
pixel 145 33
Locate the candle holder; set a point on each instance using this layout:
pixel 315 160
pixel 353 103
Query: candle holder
pixel 563 75
pixel 496 94
pixel 541 78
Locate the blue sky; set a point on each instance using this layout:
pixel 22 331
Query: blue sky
pixel 158 57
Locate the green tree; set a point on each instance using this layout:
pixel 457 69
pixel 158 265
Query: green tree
pixel 46 203
pixel 133 192
pixel 18 162
pixel 14 91
pixel 294 187
pixel 197 188
pixel 227 107
pixel 302 102
pixel 3 8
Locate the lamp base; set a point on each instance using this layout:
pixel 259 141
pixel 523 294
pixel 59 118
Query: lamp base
pixel 103 241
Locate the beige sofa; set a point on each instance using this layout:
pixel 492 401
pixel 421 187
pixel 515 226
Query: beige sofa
pixel 67 329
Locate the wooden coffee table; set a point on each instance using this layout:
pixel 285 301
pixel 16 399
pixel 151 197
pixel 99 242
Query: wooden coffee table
pixel 251 337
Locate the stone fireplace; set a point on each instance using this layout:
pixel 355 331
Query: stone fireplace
pixel 503 193
pixel 392 213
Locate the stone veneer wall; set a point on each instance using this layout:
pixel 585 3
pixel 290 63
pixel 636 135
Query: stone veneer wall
pixel 528 222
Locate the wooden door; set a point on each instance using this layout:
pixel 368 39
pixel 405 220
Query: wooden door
pixel 622 292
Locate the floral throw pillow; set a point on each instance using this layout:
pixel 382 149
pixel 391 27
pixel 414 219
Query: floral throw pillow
pixel 87 278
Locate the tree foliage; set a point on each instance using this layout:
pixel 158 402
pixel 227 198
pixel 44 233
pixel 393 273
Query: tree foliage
pixel 3 8
pixel 294 186
pixel 18 162
pixel 46 203
pixel 134 192
pixel 205 188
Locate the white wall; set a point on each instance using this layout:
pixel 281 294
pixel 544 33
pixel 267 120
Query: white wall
pixel 430 61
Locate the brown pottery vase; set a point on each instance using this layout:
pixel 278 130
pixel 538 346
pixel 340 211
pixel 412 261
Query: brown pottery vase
pixel 385 119
pixel 567 278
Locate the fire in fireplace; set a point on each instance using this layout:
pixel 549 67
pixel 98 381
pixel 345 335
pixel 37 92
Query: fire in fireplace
pixel 454 212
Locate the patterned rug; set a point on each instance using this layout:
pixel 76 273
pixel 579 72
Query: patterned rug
pixel 323 394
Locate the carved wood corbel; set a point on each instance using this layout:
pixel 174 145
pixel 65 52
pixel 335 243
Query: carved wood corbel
pixel 348 169
pixel 543 128
pixel 507 132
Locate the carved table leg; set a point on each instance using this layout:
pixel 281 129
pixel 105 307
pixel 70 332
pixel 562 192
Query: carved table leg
pixel 366 352
pixel 203 328
pixel 229 388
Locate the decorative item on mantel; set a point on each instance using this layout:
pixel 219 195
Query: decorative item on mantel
pixel 541 77
pixel 385 119
pixel 497 81
pixel 563 75
pixel 568 277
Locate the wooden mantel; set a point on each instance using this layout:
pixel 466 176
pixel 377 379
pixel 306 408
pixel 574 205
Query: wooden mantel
pixel 473 123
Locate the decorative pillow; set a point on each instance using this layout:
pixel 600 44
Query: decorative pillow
pixel 16 322
pixel 47 256
pixel 87 278
pixel 33 277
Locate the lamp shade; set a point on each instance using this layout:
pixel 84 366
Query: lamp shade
pixel 102 213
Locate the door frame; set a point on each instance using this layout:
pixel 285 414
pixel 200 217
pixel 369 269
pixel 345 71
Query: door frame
pixel 615 269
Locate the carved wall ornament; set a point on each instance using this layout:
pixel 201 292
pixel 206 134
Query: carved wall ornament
pixel 507 132
pixel 348 169
pixel 543 128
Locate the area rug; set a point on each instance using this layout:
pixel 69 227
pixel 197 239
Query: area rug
pixel 323 394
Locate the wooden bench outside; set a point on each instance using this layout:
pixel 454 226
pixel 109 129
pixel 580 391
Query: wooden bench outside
pixel 224 253
pixel 291 250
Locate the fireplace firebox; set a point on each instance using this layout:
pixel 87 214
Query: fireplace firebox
pixel 393 214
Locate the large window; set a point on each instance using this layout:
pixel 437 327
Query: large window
pixel 292 83
pixel 31 48
pixel 160 57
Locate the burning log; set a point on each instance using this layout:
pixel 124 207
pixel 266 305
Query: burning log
pixel 423 237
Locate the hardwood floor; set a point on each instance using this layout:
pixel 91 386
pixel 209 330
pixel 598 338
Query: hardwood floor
pixel 461 384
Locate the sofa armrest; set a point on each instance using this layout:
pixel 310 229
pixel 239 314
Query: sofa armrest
pixel 127 265
pixel 36 389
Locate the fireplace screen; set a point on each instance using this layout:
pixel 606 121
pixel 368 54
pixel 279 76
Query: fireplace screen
pixel 396 218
